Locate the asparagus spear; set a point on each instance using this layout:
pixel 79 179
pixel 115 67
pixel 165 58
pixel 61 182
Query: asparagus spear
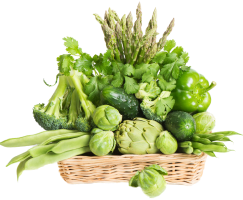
pixel 111 41
pixel 99 19
pixel 123 27
pixel 162 41
pixel 118 32
pixel 129 26
pixel 111 19
pixel 116 17
pixel 145 40
pixel 137 29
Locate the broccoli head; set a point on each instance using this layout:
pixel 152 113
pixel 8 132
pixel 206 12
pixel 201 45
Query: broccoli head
pixel 51 116
pixel 159 108
pixel 150 90
pixel 68 108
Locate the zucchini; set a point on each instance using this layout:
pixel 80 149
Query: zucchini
pixel 126 104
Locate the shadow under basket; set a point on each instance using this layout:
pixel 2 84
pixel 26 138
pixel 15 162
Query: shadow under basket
pixel 183 169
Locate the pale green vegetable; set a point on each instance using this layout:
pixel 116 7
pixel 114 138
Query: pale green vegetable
pixel 205 122
pixel 102 143
pixel 151 180
pixel 166 143
pixel 138 136
pixel 107 117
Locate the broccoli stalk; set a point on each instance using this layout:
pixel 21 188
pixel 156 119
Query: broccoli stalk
pixel 157 109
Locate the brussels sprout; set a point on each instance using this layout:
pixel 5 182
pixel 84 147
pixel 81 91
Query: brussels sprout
pixel 205 122
pixel 166 143
pixel 151 180
pixel 102 143
pixel 107 117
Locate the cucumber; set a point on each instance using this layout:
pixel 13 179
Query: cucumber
pixel 181 125
pixel 126 104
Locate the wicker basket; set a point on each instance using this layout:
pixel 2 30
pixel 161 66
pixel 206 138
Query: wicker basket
pixel 182 169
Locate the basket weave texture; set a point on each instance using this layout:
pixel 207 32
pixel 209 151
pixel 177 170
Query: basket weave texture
pixel 183 169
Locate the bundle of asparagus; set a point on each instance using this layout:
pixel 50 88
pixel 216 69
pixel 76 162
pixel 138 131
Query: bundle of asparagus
pixel 126 40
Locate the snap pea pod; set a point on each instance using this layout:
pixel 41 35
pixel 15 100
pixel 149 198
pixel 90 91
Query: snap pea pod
pixel 209 147
pixel 21 168
pixel 63 137
pixel 185 144
pixel 38 138
pixel 201 140
pixel 40 149
pixel 70 144
pixel 197 152
pixel 187 150
pixel 210 153
pixel 49 158
pixel 19 158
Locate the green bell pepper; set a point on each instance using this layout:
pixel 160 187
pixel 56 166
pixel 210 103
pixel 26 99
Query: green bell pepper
pixel 191 92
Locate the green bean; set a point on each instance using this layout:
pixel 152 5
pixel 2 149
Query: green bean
pixel 185 144
pixel 67 145
pixel 21 167
pixel 49 158
pixel 40 149
pixel 197 152
pixel 218 143
pixel 209 147
pixel 38 138
pixel 227 133
pixel 63 137
pixel 19 158
pixel 225 139
pixel 201 140
pixel 187 150
pixel 204 135
pixel 216 137
pixel 210 153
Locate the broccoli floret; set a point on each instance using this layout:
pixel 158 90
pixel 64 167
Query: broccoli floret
pixel 157 109
pixel 150 90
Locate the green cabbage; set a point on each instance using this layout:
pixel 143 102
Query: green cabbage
pixel 205 122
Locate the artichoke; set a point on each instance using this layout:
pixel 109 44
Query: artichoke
pixel 138 136
pixel 107 117
pixel 102 143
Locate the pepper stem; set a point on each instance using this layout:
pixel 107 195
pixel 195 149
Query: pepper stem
pixel 212 85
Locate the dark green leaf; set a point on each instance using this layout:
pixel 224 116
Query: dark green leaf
pixel 118 80
pixel 131 86
pixel 169 45
pixel 178 50
pixel 84 64
pixel 65 63
pixel 159 57
pixel 166 85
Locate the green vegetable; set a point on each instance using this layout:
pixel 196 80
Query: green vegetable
pixel 205 122
pixel 39 150
pixel 49 158
pixel 38 138
pixel 21 167
pixel 95 130
pixel 181 125
pixel 102 143
pixel 126 104
pixel 195 138
pixel 197 152
pixel 71 144
pixel 107 117
pixel 150 90
pixel 150 180
pixel 131 46
pixel 191 92
pixel 19 158
pixel 159 108
pixel 210 147
pixel 187 150
pixel 172 61
pixel 138 136
pixel 69 107
pixel 210 153
pixel 166 143
pixel 185 144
